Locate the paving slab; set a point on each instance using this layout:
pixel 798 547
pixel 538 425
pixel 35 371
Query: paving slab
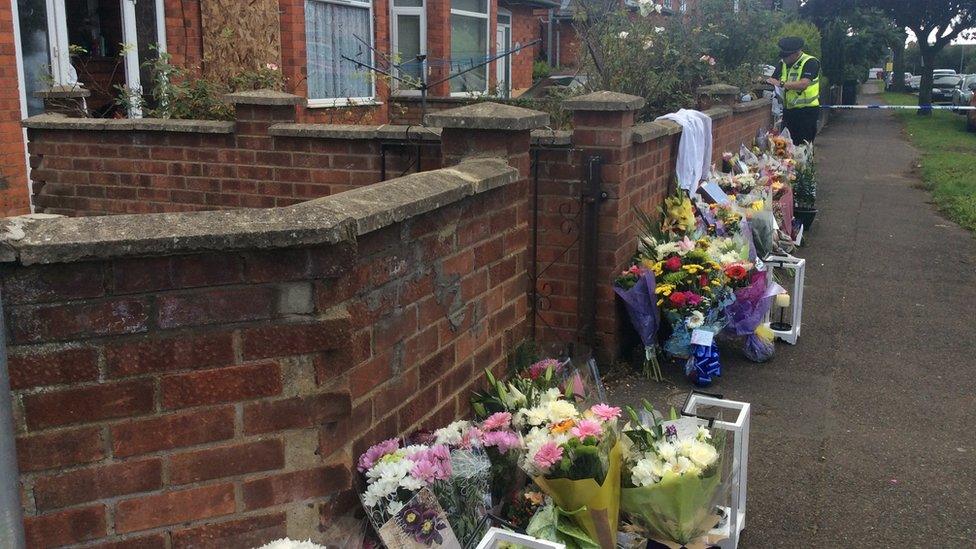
pixel 864 433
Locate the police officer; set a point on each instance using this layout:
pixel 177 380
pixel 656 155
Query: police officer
pixel 799 76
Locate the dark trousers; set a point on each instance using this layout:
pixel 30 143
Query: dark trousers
pixel 802 123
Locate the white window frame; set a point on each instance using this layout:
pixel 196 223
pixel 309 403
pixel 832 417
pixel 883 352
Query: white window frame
pixel 683 6
pixel 488 40
pixel 667 4
pixel 348 101
pixel 407 10
pixel 504 62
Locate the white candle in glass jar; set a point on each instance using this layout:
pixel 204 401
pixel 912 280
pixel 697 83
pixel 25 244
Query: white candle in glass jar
pixel 783 300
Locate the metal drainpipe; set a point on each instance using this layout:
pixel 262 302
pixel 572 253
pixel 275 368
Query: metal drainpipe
pixel 11 514
pixel 549 52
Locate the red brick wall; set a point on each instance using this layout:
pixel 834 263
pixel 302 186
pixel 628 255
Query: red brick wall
pixel 525 28
pixel 99 172
pixel 219 400
pixel 633 174
pixel 184 32
pixel 14 198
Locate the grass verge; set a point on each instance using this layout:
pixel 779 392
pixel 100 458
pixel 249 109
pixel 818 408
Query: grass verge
pixel 948 158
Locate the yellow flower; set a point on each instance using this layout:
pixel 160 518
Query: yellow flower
pixel 563 426
pixel 758 205
pixel 665 289
pixel 716 283
pixel 692 269
pixel 659 302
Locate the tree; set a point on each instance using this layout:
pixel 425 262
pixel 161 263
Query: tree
pixel 936 23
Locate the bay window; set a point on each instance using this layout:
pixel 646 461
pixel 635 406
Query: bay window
pixel 334 29
pixel 469 46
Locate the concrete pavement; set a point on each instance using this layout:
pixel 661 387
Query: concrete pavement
pixel 864 434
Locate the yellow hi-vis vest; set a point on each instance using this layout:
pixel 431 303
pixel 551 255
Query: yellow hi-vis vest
pixel 809 97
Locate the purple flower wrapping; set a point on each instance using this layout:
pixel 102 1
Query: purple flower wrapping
pixel 641 306
pixel 750 305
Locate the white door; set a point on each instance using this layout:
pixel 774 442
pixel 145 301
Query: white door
pixel 503 43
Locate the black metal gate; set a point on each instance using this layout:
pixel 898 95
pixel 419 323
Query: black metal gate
pixel 580 218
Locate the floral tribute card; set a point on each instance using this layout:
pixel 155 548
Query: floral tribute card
pixel 421 524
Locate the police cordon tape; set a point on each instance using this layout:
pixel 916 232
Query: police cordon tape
pixel 898 107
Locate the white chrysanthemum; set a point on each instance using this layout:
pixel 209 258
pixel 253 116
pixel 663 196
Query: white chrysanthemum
pixel 728 258
pixel 696 320
pixel 410 483
pixel 702 453
pixel 285 543
pixel 394 507
pixel 550 395
pixel 451 435
pixel 623 35
pixel 642 474
pixel 535 416
pixel 560 410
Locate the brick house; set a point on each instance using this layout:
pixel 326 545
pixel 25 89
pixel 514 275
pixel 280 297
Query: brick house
pixel 305 38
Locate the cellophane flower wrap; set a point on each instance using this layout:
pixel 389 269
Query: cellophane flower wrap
pixel 635 288
pixel 672 483
pixel 574 457
pixel 746 313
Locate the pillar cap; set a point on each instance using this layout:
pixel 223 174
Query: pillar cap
pixel 489 116
pixel 718 89
pixel 263 97
pixel 70 91
pixel 604 101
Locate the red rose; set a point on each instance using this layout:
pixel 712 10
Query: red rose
pixel 736 272
pixel 673 264
pixel 703 281
pixel 678 299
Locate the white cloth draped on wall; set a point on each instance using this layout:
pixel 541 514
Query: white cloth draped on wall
pixel 695 148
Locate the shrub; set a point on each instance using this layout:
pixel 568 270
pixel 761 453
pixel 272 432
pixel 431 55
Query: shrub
pixel 540 70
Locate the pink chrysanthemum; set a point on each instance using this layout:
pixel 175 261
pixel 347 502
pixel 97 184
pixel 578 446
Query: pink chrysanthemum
pixel 587 428
pixel 605 412
pixel 548 454
pixel 375 452
pixel 498 420
pixel 503 441
pixel 539 368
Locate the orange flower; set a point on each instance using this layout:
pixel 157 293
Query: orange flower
pixel 736 271
pixel 563 426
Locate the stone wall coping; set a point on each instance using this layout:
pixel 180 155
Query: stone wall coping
pixel 552 138
pixel 264 97
pixel 352 131
pixel 604 101
pixel 62 122
pixel 649 131
pixel 63 92
pixel 753 105
pixel 718 89
pixel 716 113
pixel 489 116
pixel 342 217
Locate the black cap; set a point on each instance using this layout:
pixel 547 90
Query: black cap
pixel 790 45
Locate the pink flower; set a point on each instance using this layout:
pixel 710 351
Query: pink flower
pixel 605 412
pixel 548 454
pixel 375 452
pixel 503 441
pixel 587 428
pixel 428 471
pixel 498 420
pixel 686 244
pixel 693 298
pixel 539 368
pixel 673 263
pixel 440 452
pixel 470 437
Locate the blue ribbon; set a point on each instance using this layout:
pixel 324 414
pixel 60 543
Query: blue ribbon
pixel 703 364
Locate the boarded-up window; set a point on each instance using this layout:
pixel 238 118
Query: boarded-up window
pixel 239 36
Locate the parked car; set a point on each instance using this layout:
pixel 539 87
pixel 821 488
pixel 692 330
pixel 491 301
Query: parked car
pixel 875 73
pixel 964 93
pixel 915 83
pixel 943 72
pixel 943 87
pixel 908 79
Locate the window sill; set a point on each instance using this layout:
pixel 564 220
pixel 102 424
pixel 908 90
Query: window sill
pixel 338 103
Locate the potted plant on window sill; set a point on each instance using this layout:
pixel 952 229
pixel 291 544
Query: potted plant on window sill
pixel 805 195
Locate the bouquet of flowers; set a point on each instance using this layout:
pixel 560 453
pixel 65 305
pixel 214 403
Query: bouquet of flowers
pixel 635 287
pixel 397 479
pixel 499 441
pixel 574 457
pixel 672 477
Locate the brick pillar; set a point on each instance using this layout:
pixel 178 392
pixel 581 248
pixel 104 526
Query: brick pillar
pixel 603 126
pixel 488 130
pixel 255 152
pixel 492 130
